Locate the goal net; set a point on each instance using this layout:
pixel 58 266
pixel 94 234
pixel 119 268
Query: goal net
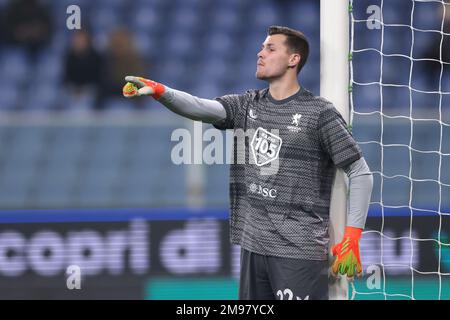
pixel 400 113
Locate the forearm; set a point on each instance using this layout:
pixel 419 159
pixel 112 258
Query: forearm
pixel 361 183
pixel 192 107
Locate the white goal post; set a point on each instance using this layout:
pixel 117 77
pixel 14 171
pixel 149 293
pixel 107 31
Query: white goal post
pixel 334 84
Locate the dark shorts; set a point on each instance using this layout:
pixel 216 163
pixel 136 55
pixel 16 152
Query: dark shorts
pixel 270 278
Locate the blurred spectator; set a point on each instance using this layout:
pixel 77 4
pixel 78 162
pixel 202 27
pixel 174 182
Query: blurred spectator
pixel 28 24
pixel 436 51
pixel 82 71
pixel 122 59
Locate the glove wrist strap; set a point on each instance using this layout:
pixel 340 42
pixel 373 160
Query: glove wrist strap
pixel 352 232
pixel 158 88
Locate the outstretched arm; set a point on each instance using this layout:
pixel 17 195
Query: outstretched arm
pixel 180 102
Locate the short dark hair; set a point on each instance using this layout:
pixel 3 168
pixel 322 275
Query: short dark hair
pixel 296 42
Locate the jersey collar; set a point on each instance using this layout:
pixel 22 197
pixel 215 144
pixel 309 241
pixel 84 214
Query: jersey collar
pixel 300 92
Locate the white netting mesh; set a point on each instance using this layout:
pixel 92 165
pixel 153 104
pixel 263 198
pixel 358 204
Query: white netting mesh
pixel 400 103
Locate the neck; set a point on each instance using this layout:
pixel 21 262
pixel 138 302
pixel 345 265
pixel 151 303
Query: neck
pixel 283 88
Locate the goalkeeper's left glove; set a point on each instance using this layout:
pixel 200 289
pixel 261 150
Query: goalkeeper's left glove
pixel 348 261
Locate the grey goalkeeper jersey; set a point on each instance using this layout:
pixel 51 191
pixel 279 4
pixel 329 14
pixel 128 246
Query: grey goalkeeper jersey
pixel 304 138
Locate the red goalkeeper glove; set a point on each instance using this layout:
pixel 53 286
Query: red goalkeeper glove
pixel 348 261
pixel 138 86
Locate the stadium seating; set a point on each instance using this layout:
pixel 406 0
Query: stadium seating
pixel 209 48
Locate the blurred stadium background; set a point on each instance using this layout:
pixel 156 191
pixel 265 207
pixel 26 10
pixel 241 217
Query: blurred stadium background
pixel 86 176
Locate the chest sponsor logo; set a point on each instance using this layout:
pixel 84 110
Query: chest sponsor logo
pixel 263 191
pixel 265 146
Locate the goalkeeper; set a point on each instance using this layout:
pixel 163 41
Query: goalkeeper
pixel 283 233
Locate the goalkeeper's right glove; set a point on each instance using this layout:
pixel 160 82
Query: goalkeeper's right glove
pixel 138 86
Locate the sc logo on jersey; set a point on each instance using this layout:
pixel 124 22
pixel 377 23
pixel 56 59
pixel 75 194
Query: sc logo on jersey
pixel 265 146
pixel 265 192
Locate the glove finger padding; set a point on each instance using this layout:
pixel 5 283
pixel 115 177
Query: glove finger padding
pixel 130 90
pixel 135 80
pixel 347 260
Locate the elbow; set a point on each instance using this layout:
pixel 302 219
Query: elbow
pixel 370 178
